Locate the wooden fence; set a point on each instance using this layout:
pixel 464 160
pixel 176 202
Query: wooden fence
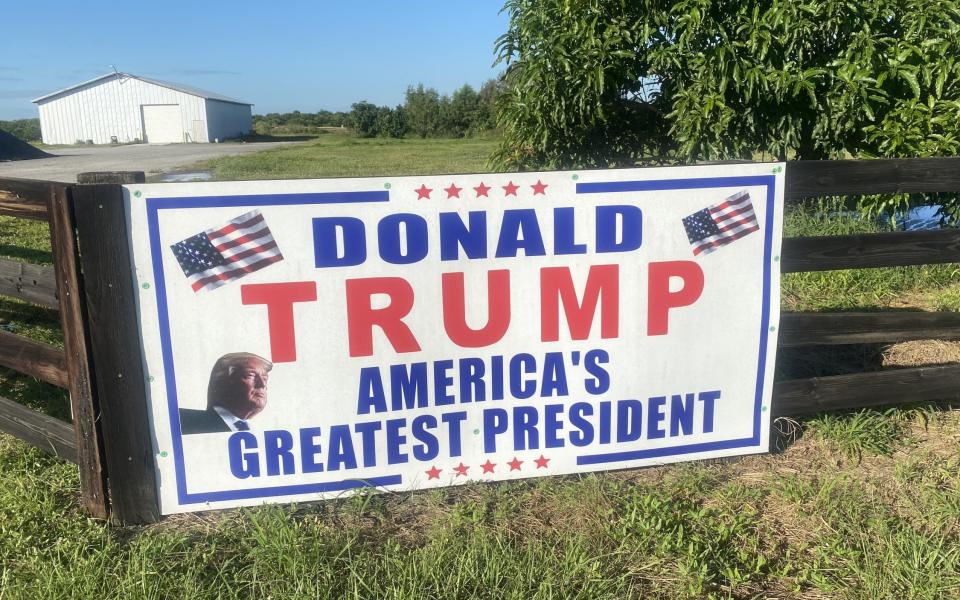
pixel 109 433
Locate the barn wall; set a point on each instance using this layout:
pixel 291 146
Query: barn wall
pixel 227 120
pixel 111 107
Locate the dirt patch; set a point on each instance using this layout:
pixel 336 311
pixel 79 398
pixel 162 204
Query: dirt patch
pixel 921 352
pixel 13 148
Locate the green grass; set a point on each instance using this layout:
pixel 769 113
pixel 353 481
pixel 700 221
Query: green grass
pixel 800 524
pixel 861 504
pixel 337 155
pixel 929 286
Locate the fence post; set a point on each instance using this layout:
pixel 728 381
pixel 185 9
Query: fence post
pixel 103 238
pixel 83 400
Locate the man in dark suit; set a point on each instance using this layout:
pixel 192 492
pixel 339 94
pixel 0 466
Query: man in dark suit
pixel 236 393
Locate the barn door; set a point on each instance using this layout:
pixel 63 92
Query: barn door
pixel 162 124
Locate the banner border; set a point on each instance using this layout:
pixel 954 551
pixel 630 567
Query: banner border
pixel 154 205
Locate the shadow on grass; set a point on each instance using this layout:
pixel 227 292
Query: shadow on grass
pixel 258 138
pixel 35 394
pixel 26 254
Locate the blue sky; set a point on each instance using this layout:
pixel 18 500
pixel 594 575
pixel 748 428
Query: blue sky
pixel 282 56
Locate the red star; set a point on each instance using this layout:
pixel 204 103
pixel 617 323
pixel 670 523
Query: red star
pixel 515 464
pixel 453 191
pixel 539 188
pixel 481 190
pixel 488 466
pixel 542 462
pixel 510 189
pixel 423 191
pixel 433 473
pixel 461 469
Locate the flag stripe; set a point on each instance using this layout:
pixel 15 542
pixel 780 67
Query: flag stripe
pixel 734 224
pixel 237 271
pixel 225 243
pixel 253 243
pixel 233 265
pixel 735 200
pixel 724 234
pixel 723 241
pixel 721 216
pixel 252 251
pixel 249 221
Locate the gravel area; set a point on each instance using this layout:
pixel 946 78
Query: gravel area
pixel 153 159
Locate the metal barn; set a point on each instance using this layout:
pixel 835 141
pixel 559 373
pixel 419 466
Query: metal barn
pixel 123 108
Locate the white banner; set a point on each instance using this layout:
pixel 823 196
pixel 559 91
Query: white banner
pixel 304 339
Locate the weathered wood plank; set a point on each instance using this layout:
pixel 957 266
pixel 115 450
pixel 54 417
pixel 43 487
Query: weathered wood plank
pixel 12 206
pixel 114 339
pixel 811 329
pixel 119 177
pixel 33 358
pixel 829 253
pixel 38 429
pixel 26 198
pixel 814 178
pixel 862 390
pixel 83 399
pixel 30 191
pixel 33 283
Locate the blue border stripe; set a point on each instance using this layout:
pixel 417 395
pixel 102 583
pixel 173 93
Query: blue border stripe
pixel 768 181
pixel 596 459
pixel 291 490
pixel 653 185
pixel 274 199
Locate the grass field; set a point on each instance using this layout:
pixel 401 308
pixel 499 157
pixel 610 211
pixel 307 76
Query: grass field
pixel 340 155
pixel 858 505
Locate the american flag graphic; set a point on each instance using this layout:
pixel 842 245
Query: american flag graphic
pixel 217 256
pixel 720 224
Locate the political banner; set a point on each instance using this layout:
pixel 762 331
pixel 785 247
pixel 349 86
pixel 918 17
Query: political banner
pixel 307 339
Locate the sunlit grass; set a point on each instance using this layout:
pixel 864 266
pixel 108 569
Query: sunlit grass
pixel 865 504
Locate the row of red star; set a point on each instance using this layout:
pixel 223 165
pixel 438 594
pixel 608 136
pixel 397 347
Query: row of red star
pixel 482 190
pixel 488 467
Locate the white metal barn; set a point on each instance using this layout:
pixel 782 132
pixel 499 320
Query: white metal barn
pixel 124 108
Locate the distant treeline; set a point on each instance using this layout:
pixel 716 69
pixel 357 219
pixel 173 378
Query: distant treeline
pixel 424 113
pixel 298 122
pixel 27 130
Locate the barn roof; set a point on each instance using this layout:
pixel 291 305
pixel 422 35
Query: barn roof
pixel 186 89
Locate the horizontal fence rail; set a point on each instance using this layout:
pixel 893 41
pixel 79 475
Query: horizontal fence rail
pixel 818 178
pixel 816 329
pixel 895 249
pixel 863 390
pixel 29 282
pixel 33 358
pixel 44 432
pixel 26 198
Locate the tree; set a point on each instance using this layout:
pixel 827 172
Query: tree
pixel 391 122
pixel 612 82
pixel 486 116
pixel 363 118
pixel 422 107
pixel 463 109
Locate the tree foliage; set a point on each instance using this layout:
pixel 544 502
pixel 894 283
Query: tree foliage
pixel 363 118
pixel 27 130
pixel 466 112
pixel 622 82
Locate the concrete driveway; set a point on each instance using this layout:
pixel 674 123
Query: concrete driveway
pixel 153 159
